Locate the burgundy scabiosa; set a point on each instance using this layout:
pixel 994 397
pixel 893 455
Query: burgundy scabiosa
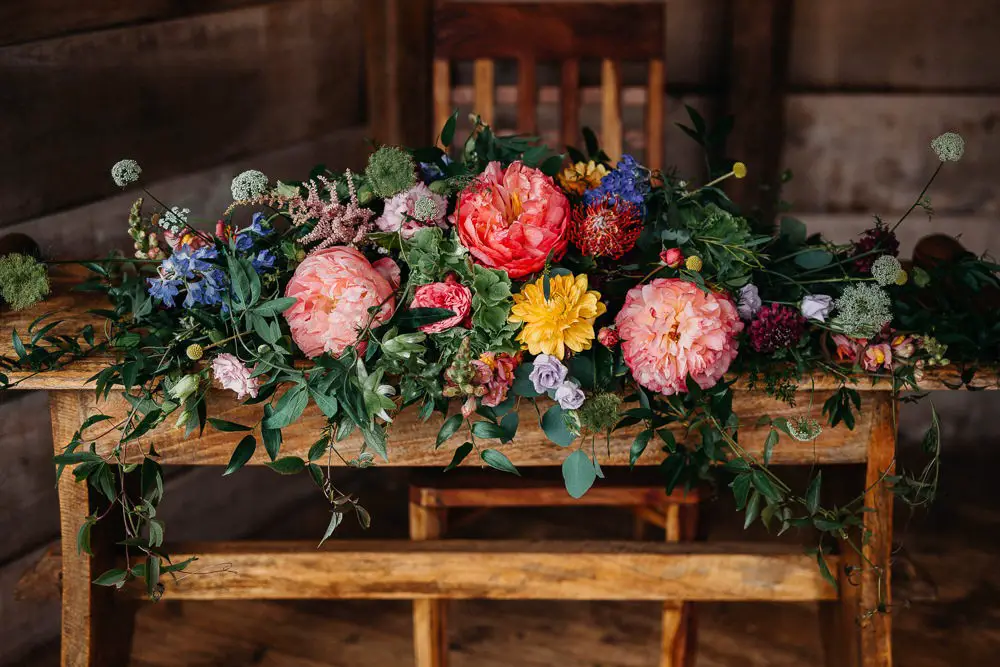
pixel 874 242
pixel 777 327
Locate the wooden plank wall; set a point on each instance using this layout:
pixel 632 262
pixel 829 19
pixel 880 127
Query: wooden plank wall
pixel 197 91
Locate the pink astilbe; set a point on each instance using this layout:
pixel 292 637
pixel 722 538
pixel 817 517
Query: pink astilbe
pixel 336 223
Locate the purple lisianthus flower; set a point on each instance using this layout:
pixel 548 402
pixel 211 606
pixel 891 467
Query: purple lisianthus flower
pixel 569 396
pixel 264 261
pixel 816 307
pixel 749 301
pixel 164 290
pixel 547 374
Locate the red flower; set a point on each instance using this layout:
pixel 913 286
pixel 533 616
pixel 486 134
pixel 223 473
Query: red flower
pixel 608 228
pixel 776 327
pixel 672 257
pixel 608 336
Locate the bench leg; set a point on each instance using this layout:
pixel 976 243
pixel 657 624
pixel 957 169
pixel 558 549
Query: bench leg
pixel 839 621
pixel 430 634
pixel 677 617
pixel 96 627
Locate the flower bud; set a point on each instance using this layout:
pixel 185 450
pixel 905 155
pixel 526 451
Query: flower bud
pixel 195 352
pixel 693 263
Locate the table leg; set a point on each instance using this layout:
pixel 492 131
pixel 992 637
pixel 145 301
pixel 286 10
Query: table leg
pixel 677 617
pixel 430 628
pixel 876 630
pixel 96 628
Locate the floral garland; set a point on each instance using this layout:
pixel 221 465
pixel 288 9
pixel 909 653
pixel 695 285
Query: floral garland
pixel 621 294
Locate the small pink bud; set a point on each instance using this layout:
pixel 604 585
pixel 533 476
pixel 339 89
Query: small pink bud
pixel 672 257
pixel 608 336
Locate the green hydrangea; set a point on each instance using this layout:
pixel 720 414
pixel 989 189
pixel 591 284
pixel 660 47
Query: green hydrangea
pixel 599 413
pixel 390 171
pixel 862 310
pixel 24 281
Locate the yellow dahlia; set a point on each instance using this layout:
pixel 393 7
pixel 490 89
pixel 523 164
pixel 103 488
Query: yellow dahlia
pixel 565 319
pixel 581 177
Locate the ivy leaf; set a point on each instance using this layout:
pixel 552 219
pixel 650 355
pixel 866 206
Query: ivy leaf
pixel 579 473
pixel 498 460
pixel 459 456
pixel 243 453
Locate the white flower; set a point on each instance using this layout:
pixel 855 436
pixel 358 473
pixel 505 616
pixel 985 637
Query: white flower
pixel 569 396
pixel 863 309
pixel 886 269
pixel 125 172
pixel 749 302
pixel 184 387
pixel 175 219
pixel 816 307
pixel 949 147
pixel 248 185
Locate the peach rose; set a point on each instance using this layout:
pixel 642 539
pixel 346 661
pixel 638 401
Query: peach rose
pixel 450 294
pixel 512 218
pixel 335 288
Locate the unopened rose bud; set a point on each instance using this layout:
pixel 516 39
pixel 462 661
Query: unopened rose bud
pixel 672 257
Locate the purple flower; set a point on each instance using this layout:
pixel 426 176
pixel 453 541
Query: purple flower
pixel 749 301
pixel 264 261
pixel 257 228
pixel 629 181
pixel 243 241
pixel 547 374
pixel 164 290
pixel 816 306
pixel 569 395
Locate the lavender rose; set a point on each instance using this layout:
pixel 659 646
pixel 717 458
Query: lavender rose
pixel 569 395
pixel 749 302
pixel 816 307
pixel 548 373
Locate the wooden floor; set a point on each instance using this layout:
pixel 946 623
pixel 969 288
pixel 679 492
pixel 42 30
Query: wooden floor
pixel 947 610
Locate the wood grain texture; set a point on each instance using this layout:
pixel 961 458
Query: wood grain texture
pixel 430 616
pixel 497 570
pixel 655 114
pixel 527 95
pixel 484 86
pixel 875 594
pixel 442 96
pixel 548 31
pixel 839 625
pixel 175 95
pixel 492 491
pixel 611 108
pixel 569 102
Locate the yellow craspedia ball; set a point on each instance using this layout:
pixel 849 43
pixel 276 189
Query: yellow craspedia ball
pixel 739 170
pixel 693 263
pixel 194 351
pixel 902 277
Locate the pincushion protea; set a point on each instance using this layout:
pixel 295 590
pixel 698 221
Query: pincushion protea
pixel 608 228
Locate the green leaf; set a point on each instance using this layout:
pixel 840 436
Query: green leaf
pixel 824 569
pixel 318 449
pixel 243 452
pixel 523 386
pixel 554 426
pixel 814 259
pixel 275 306
pixel 288 465
pixel 113 577
pixel 753 510
pixel 793 230
pixel 227 426
pixel 638 446
pixel 335 520
pixel 417 317
pixel 459 456
pixel 498 460
pixel 289 408
pixel 448 131
pixel 812 494
pixel 552 165
pixel 741 490
pixel 579 473
pixel 509 424
pixel 155 533
pixel 18 345
pixel 769 443
pixel 83 536
pixel 489 430
pixel 448 429
pixel 152 574
pixel 763 484
pixel 327 402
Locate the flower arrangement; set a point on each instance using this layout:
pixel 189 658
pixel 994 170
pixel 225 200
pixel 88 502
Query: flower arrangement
pixel 608 294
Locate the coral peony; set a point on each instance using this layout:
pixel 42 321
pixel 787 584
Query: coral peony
pixel 414 209
pixel 512 219
pixel 672 257
pixel 450 294
pixel 671 329
pixel 234 375
pixel 335 288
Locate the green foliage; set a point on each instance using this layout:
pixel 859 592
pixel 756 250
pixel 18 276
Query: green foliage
pixel 24 281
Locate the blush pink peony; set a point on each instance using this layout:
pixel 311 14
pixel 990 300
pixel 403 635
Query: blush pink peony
pixel 511 219
pixel 233 375
pixel 335 288
pixel 670 329
pixel 450 294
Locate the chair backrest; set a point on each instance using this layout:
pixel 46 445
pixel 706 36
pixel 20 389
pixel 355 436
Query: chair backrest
pixel 563 32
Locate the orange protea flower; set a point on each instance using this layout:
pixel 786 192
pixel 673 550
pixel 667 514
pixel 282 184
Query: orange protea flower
pixel 581 177
pixel 608 228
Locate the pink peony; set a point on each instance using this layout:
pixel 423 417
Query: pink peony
pixel 671 329
pixel 512 218
pixel 450 294
pixel 412 210
pixel 335 288
pixel 233 374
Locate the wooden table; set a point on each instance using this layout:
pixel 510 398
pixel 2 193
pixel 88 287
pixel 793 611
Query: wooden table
pixel 95 620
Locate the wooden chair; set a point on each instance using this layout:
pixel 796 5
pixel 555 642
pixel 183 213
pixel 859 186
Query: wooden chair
pixel 429 505
pixel 564 32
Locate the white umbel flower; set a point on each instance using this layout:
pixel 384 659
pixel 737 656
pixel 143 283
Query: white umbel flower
pixel 886 270
pixel 248 185
pixel 862 310
pixel 125 172
pixel 949 147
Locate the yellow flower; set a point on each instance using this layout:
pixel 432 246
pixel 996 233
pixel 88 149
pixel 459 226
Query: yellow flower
pixel 581 177
pixel 902 277
pixel 693 263
pixel 739 170
pixel 565 320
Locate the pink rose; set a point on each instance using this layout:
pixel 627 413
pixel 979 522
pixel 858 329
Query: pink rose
pixel 876 357
pixel 511 219
pixel 607 336
pixel 672 257
pixel 233 374
pixel 451 295
pixel 334 289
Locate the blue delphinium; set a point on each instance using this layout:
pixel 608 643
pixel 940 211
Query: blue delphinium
pixel 431 171
pixel 629 181
pixel 256 226
pixel 264 261
pixel 194 271
pixel 164 290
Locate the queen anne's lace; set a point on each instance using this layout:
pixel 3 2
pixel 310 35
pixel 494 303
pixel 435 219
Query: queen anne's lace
pixel 949 147
pixel 862 310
